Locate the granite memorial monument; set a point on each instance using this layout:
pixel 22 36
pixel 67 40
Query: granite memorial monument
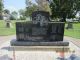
pixel 39 32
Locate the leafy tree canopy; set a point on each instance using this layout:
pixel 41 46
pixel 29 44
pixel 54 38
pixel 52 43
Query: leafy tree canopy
pixel 7 11
pixel 64 8
pixel 30 7
pixel 1 8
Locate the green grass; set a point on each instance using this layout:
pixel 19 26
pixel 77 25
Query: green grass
pixel 75 32
pixel 7 31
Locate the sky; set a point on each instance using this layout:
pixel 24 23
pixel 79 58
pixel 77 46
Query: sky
pixel 15 5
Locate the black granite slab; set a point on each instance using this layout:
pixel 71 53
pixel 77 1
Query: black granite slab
pixel 40 31
pixel 29 31
pixel 23 43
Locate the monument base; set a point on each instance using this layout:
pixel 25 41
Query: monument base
pixel 25 43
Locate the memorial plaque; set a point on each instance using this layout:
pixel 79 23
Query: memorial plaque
pixel 57 31
pixel 20 36
pixel 20 31
pixel 41 18
pixel 40 29
pixel 31 32
pixel 28 28
pixel 19 27
pixel 40 21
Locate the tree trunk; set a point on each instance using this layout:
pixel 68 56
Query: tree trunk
pixel 1 17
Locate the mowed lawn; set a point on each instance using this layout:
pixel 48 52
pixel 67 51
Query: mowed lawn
pixel 7 31
pixel 75 32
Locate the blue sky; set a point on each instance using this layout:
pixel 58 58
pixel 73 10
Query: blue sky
pixel 15 4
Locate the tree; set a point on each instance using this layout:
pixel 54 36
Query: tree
pixel 22 14
pixel 63 9
pixel 30 7
pixel 28 3
pixel 1 9
pixel 14 15
pixel 7 11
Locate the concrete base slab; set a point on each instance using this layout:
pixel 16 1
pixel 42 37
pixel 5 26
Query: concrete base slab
pixel 25 43
pixel 39 46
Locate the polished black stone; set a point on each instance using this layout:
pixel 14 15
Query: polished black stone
pixel 39 30
pixel 23 43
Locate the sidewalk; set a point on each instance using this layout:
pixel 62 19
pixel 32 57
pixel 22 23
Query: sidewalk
pixel 73 40
pixel 3 39
pixel 29 55
pixel 4 43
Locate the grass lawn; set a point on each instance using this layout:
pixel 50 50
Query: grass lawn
pixel 75 32
pixel 7 31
